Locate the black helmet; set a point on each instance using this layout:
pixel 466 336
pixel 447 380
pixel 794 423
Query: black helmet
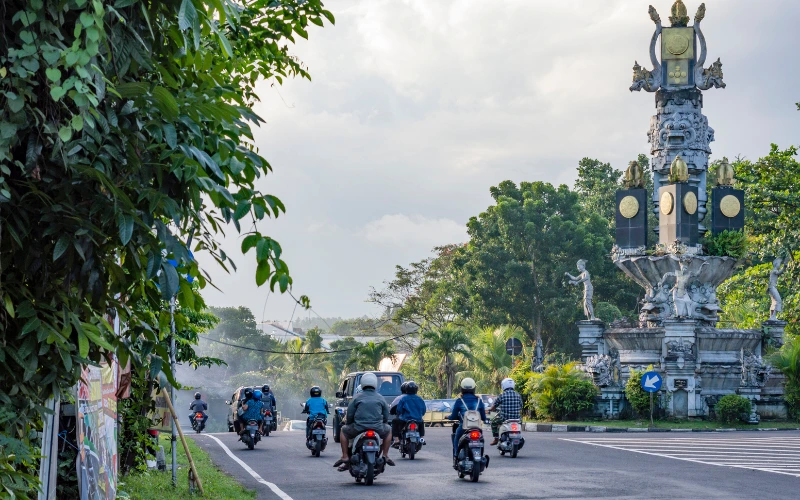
pixel 411 387
pixel 196 395
pixel 265 388
pixel 248 393
pixel 404 388
pixel 316 392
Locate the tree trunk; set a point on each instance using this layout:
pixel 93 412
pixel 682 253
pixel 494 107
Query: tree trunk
pixel 448 373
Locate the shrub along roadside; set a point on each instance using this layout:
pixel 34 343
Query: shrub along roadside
pixel 732 407
pixel 560 391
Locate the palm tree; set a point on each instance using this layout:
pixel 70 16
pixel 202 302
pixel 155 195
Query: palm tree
pixel 445 344
pixel 369 355
pixel 787 360
pixel 491 362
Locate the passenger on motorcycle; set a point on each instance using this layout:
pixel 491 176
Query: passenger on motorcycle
pixel 268 398
pixel 198 405
pixel 368 410
pixel 315 405
pixel 472 402
pixel 252 407
pixel 410 407
pixel 510 404
pixel 393 404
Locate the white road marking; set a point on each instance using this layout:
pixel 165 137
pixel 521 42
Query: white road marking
pixel 253 473
pixel 776 455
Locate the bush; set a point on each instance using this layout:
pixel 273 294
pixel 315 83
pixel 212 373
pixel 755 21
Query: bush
pixel 787 360
pixel 638 398
pixel 607 312
pixel 727 244
pixel 730 408
pixel 560 391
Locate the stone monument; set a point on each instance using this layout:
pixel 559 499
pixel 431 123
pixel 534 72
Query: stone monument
pixel 677 329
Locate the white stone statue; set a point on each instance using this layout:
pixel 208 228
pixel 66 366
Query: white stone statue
pixel 588 289
pixel 684 305
pixel 778 268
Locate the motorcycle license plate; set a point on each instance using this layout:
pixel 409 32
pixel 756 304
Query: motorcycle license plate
pixel 318 431
pixel 514 436
pixel 370 447
pixel 475 445
pixel 412 435
pixel 516 441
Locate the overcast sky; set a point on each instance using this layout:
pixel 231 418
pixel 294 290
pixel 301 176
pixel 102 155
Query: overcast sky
pixel 417 107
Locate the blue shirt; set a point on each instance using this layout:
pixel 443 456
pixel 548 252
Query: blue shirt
pixel 471 401
pixel 253 411
pixel 411 407
pixel 316 406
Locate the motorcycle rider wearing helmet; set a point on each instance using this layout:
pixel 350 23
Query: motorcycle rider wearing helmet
pixel 198 405
pixel 409 407
pixel 368 410
pixel 510 404
pixel 315 405
pixel 472 402
pixel 252 408
pixel 403 392
pixel 270 404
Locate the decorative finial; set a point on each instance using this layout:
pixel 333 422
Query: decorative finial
pixel 634 177
pixel 724 173
pixel 678 170
pixel 679 17
pixel 701 13
pixel 654 15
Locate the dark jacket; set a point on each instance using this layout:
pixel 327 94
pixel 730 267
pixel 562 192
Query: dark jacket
pixel 368 410
pixel 471 401
pixel 411 407
pixel 198 405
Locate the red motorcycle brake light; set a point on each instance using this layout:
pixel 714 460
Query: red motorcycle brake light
pixel 370 434
pixel 515 427
pixel 268 412
pixel 412 426
pixel 198 415
pixel 475 435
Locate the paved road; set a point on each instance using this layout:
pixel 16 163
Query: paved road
pixel 552 465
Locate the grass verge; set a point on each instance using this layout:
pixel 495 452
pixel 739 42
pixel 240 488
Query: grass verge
pixel 157 485
pixel 678 424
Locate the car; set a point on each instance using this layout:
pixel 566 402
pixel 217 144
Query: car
pixel 295 425
pixel 235 403
pixel 388 387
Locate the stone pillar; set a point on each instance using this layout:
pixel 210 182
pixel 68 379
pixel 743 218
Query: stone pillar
pixel 590 337
pixel 678 363
pixel 773 331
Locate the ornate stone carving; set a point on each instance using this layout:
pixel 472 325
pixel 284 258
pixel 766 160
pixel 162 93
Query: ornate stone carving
pixel 617 252
pixel 755 372
pixel 604 369
pixel 679 17
pixel 710 77
pixel 588 289
pixel 634 176
pixel 681 350
pixel 645 79
pixel 685 307
pixel 700 14
pixel 678 170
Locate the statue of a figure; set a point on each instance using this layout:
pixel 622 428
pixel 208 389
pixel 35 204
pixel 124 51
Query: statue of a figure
pixel 724 173
pixel 634 176
pixel 778 268
pixel 588 289
pixel 755 372
pixel 684 305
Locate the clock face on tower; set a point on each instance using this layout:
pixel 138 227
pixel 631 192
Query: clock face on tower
pixel 677 55
pixel 666 203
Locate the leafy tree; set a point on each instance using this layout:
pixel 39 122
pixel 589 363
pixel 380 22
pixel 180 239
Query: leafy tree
pixel 787 360
pixel 125 133
pixel 234 323
pixel 368 356
pixel 490 362
pixel 597 184
pixel 313 339
pixel 444 346
pixel 339 359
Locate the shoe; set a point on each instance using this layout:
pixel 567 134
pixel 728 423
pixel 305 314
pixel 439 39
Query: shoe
pixel 389 461
pixel 493 443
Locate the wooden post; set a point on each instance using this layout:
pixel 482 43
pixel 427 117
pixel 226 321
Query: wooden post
pixel 183 440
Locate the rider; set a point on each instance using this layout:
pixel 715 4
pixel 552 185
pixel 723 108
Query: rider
pixel 467 401
pixel 315 406
pixel 198 405
pixel 393 404
pixel 368 410
pixel 510 404
pixel 270 404
pixel 410 407
pixel 253 408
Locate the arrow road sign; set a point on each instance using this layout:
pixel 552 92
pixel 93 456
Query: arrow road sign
pixel 514 346
pixel 651 382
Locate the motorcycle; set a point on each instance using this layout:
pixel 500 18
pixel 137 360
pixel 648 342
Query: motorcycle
pixel 511 440
pixel 317 440
pixel 366 461
pixel 410 440
pixel 251 436
pixel 267 422
pixel 197 422
pixel 469 457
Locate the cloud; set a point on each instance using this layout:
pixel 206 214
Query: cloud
pixel 400 229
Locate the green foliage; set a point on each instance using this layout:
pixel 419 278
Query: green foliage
pixel 560 391
pixel 368 356
pixel 727 244
pixel 490 362
pixel 638 398
pixel 607 312
pixel 731 408
pixel 787 360
pixel 125 133
pixel 445 348
pixel 597 184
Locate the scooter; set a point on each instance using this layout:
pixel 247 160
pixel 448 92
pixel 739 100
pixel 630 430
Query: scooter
pixel 267 422
pixel 366 461
pixel 317 440
pixel 251 436
pixel 511 440
pixel 410 440
pixel 469 459
pixel 197 422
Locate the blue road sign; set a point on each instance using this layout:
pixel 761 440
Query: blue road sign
pixel 651 382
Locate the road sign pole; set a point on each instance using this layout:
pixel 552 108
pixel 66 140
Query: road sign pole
pixel 651 410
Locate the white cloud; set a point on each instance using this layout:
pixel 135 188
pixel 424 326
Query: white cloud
pixel 400 229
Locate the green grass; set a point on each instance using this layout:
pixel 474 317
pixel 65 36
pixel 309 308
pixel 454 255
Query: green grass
pixel 678 424
pixel 156 485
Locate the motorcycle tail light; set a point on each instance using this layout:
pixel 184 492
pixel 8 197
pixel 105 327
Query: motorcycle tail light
pixel 370 434
pixel 515 427
pixel 412 426
pixel 475 435
pixel 268 412
pixel 198 415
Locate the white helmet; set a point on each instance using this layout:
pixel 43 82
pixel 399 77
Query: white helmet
pixel 468 384
pixel 507 383
pixel 369 380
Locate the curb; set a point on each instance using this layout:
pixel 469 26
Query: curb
pixel 531 427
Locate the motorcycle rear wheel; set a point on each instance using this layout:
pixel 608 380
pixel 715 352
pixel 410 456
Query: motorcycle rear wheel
pixel 317 447
pixel 476 472
pixel 411 453
pixel 250 443
pixel 370 474
pixel 514 450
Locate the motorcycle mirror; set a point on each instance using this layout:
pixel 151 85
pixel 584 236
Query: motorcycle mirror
pixel 302 405
pixel 227 402
pixel 339 394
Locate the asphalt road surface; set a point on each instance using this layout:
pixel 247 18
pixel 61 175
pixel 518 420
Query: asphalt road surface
pixel 741 465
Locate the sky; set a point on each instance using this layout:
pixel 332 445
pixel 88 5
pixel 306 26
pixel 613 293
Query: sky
pixel 417 107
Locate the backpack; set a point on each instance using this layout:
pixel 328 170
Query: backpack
pixel 471 418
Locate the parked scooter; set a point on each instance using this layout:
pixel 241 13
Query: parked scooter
pixel 317 440
pixel 470 459
pixel 197 422
pixel 251 436
pixel 511 440
pixel 366 461
pixel 410 440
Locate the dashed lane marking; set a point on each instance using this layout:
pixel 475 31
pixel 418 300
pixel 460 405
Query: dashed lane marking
pixel 253 473
pixel 776 455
